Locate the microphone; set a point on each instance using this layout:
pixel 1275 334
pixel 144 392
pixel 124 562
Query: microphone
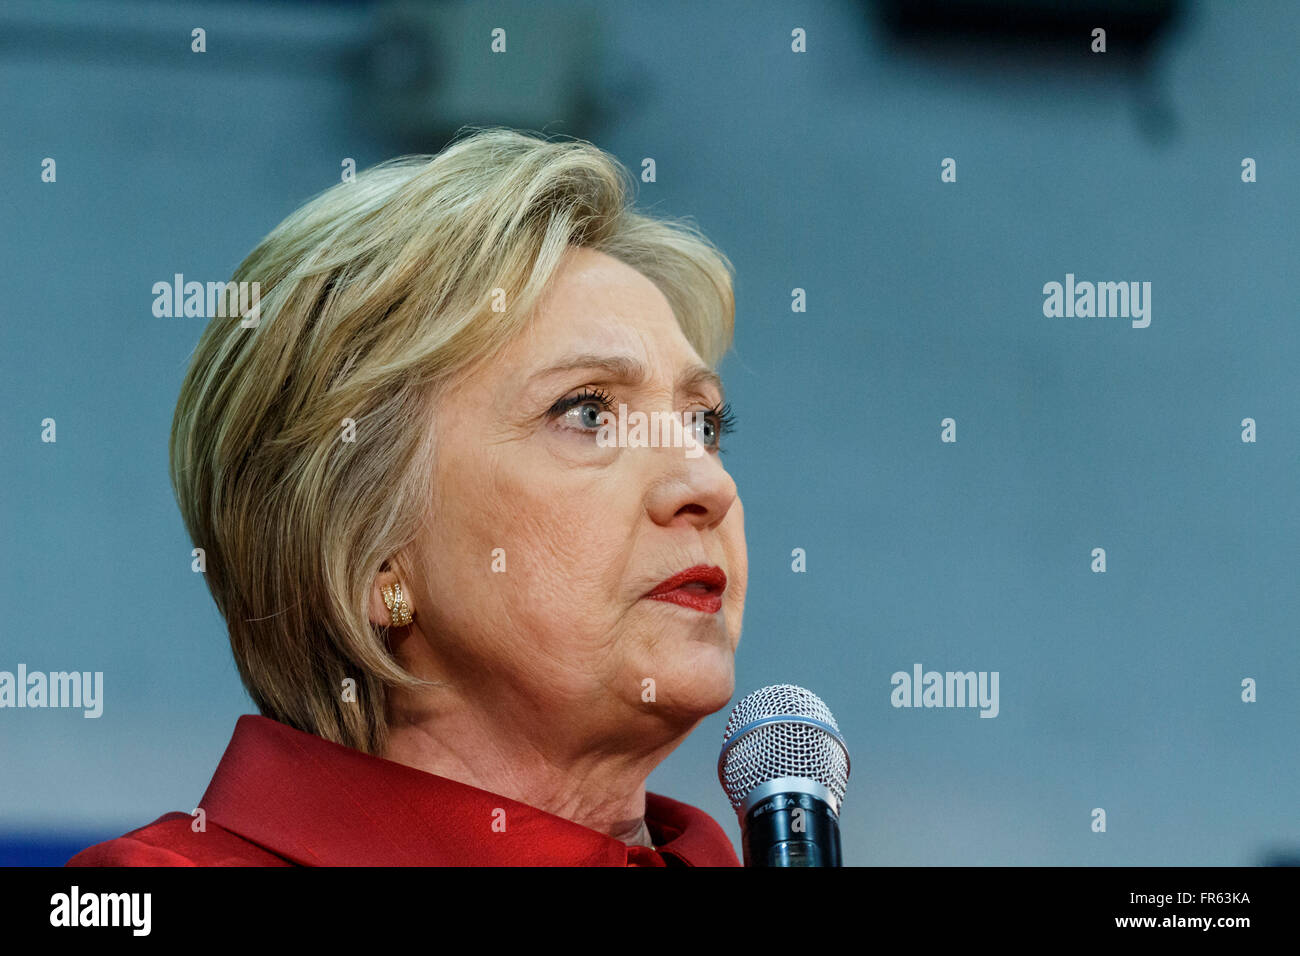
pixel 785 769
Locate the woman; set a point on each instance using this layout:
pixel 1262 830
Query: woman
pixel 473 621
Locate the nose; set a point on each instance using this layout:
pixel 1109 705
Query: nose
pixel 689 491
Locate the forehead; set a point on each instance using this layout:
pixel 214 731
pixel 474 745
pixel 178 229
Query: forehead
pixel 597 303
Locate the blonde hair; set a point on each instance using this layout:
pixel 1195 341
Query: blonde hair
pixel 373 294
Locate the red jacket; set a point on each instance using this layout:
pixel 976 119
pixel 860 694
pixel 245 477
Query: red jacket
pixel 282 797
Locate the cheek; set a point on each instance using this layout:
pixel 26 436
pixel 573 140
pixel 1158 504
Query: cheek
pixel 735 549
pixel 565 551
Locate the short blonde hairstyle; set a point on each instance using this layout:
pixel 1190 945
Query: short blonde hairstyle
pixel 373 294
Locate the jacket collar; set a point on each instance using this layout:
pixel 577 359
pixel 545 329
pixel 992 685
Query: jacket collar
pixel 318 803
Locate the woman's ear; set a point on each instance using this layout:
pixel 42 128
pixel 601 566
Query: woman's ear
pixel 389 575
pixel 379 613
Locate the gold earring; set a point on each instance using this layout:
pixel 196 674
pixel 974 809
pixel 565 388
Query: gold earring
pixel 399 611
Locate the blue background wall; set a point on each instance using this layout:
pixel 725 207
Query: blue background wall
pixel 818 171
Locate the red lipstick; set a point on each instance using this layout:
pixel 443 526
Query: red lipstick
pixel 699 588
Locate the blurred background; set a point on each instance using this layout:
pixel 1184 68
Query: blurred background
pixel 816 169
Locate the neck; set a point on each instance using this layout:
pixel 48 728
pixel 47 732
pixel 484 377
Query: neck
pixel 600 787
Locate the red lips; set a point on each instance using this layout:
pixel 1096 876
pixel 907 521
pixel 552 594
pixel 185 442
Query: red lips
pixel 699 588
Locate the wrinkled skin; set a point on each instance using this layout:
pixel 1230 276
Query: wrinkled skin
pixel 542 667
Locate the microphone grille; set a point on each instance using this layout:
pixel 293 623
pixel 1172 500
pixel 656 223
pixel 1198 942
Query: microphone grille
pixel 782 731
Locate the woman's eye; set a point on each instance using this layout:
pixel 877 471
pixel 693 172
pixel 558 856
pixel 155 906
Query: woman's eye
pixel 711 425
pixel 706 428
pixel 586 412
pixel 588 415
pixel 593 410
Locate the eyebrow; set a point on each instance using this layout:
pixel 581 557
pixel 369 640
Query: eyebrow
pixel 624 368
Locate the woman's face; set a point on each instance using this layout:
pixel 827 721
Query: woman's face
pixel 529 579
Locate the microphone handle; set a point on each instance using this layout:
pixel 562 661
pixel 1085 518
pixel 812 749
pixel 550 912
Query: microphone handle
pixel 791 829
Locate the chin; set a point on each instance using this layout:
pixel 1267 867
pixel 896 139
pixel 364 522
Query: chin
pixel 698 683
